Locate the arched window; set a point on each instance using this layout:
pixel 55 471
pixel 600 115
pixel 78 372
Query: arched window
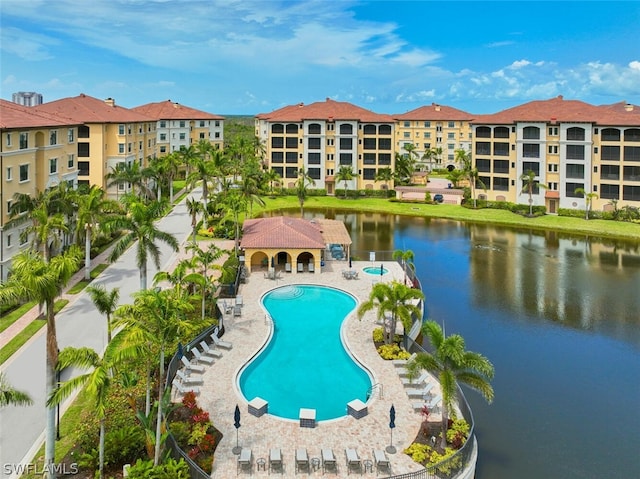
pixel 575 133
pixel 369 129
pixel 277 128
pixel 531 133
pixel 384 130
pixel 292 128
pixel 501 132
pixel 483 132
pixel 346 129
pixel 314 128
pixel 632 134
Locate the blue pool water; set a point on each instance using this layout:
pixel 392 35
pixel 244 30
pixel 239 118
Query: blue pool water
pixel 375 270
pixel 305 364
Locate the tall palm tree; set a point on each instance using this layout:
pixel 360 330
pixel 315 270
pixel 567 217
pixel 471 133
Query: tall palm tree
pixel 235 203
pixel 386 175
pixel 406 258
pixel 344 174
pixel 453 365
pixel 303 181
pixel 159 318
pixel 10 395
pixel 427 157
pixel 272 176
pixel 186 156
pixel 404 168
pixel 193 208
pixel 106 302
pixel 469 173
pixel 131 174
pixel 204 173
pixel 93 209
pixel 140 226
pixel 394 302
pixel 206 258
pixel 250 192
pixel 98 380
pixel 589 197
pixel 32 278
pixel 529 186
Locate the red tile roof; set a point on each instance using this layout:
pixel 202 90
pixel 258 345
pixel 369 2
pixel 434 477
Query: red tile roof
pixel 281 232
pixel 559 110
pixel 169 110
pixel 87 109
pixel 13 115
pixel 329 109
pixel 435 112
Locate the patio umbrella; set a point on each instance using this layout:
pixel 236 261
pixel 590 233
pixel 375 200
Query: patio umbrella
pixel 236 423
pixel 381 269
pixel 350 266
pixel 273 263
pixel 392 424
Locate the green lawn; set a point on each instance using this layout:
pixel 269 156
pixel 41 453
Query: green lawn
pixel 15 315
pixel 596 228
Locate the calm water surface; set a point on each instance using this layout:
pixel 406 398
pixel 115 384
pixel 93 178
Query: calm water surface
pixel 559 317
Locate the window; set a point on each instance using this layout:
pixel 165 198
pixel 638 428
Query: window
pixel 314 128
pixel 531 150
pixel 330 157
pixel 83 149
pixel 121 148
pixel 8 139
pixel 610 153
pixel 632 134
pixel 552 186
pixel 631 193
pixel 83 131
pixel 8 241
pixel 346 143
pixel 531 133
pixel 71 161
pixel 451 146
pixel 501 149
pixel 610 134
pixel 553 168
pixel 330 141
pixel 279 170
pixel 369 129
pixel 24 141
pixel 346 129
pixel 632 153
pixel 452 124
pixel 407 124
pixel 501 166
pixel 291 142
pixel 483 165
pixel 575 170
pixel 571 190
pixel 609 192
pixel 483 132
pixel 182 124
pixel 202 125
pixel 384 159
pixel 486 181
pixel 277 157
pixel 277 142
pixel 407 134
pixel 346 159
pixel 314 158
pixel 384 143
pixel 500 184
pixel 217 123
pixel 451 136
pixel 575 152
pixel 120 129
pixel 610 172
pixel 9 203
pixel 631 173
pixel 369 144
pixel 53 166
pixel 24 238
pixel 9 173
pixel 384 130
pixel 70 135
pixel 53 137
pixel 277 128
pixel 291 157
pixel 427 124
pixel 201 136
pixel 531 166
pixel 292 128
pixel 24 173
pixel 83 168
pixel 483 148
pixel 163 124
pixel 291 172
pixel 553 149
pixel 163 137
pixel 553 131
pixel 369 159
pixel 369 173
pixel 575 134
pixel 163 149
pixel 314 173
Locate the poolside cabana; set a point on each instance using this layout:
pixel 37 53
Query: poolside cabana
pixel 290 245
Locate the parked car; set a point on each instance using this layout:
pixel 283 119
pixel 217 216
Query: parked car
pixel 438 198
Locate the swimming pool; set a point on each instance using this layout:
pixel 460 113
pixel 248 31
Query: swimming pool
pixel 305 364
pixel 375 270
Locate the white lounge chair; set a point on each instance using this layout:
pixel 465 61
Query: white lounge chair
pixel 190 367
pixel 300 268
pixel 183 389
pixel 209 351
pixel 201 358
pixel 302 460
pixel 245 460
pixel 381 460
pixel 420 392
pixel 187 380
pixel 239 301
pixel 287 267
pixel 312 267
pixel 328 460
pixel 219 342
pixel 237 311
pixel 415 381
pixel 275 460
pixel 400 363
pixel 434 403
pixel 353 461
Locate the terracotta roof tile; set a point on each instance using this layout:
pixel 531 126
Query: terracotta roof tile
pixel 281 232
pixel 87 109
pixel 325 110
pixel 169 110
pixel 13 115
pixel 435 112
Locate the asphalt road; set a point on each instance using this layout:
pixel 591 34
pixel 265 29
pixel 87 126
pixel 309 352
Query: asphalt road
pixel 79 324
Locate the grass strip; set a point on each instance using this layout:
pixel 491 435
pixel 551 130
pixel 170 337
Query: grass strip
pixel 23 336
pixel 83 283
pixel 15 315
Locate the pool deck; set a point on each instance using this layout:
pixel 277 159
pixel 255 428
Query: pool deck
pixel 219 394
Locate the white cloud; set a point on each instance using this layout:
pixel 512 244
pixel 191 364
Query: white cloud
pixel 26 45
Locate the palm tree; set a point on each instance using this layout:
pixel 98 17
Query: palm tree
pixel 250 192
pixel 345 173
pixel 11 396
pixel 427 157
pixel 140 224
pixel 589 197
pixel 235 203
pixel 529 186
pixel 303 181
pixel 158 318
pixel 406 258
pixel 93 209
pixel 437 154
pixel 453 365
pixel 394 302
pixel 386 175
pixel 32 278
pixel 98 380
pixel 404 168
pixel 203 172
pixel 272 176
pixel 186 156
pixel 129 173
pixel 105 302
pixel 205 258
pixel 193 208
pixel 172 164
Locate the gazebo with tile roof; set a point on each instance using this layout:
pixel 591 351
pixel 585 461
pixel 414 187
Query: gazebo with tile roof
pixel 274 243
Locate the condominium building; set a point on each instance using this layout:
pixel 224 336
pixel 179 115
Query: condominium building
pixel 573 148
pixel 27 98
pixel 37 151
pixel 323 137
pixel 108 135
pixel 179 126
pixel 433 133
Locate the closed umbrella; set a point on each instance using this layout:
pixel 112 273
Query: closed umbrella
pixel 381 269
pixel 236 423
pixel 392 424
pixel 350 265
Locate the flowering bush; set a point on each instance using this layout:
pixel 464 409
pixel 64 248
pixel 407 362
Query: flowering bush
pixel 392 351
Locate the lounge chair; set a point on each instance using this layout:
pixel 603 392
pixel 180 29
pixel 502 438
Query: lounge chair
pixel 187 380
pixel 237 311
pixel 328 460
pixel 190 367
pixel 399 363
pixel 381 460
pixel 434 404
pixel 302 460
pixel 300 268
pixel 275 460
pixel 183 389
pixel 420 392
pixel 239 301
pixel 353 461
pixel 287 267
pixel 201 358
pixel 209 351
pixel 245 460
pixel 312 268
pixel 219 342
pixel 415 381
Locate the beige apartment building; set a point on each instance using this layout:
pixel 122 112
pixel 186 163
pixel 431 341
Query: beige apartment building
pixel 569 145
pixel 323 137
pixel 108 135
pixel 179 126
pixel 37 151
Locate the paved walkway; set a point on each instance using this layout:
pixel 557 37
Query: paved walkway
pixel 220 394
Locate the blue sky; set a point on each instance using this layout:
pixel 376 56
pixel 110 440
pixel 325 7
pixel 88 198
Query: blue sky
pixel 247 57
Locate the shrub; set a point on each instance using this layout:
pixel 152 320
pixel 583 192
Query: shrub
pixel 171 469
pixel 419 453
pixel 378 335
pixel 392 351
